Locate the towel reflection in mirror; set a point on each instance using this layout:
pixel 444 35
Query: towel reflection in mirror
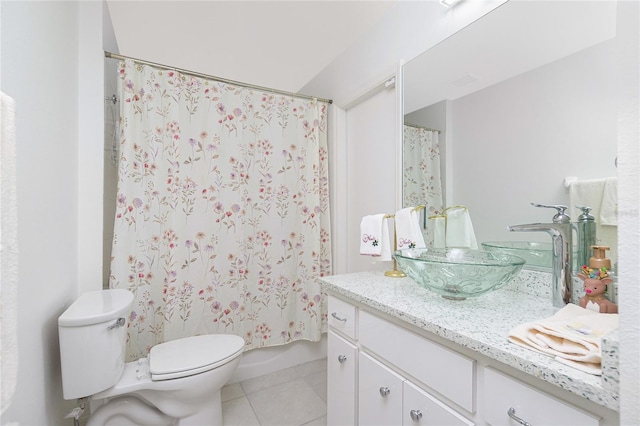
pixel 454 228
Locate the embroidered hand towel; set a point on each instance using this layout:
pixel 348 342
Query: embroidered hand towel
pixel 408 232
pixel 371 235
pixel 573 335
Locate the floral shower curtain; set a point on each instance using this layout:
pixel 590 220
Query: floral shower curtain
pixel 421 174
pixel 222 218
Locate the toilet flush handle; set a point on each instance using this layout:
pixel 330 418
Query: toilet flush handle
pixel 119 323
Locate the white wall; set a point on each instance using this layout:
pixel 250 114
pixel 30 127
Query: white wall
pixel 43 47
pixel 371 166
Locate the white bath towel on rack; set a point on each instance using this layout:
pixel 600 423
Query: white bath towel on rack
pixel 408 232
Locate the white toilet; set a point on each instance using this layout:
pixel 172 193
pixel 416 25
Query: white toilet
pixel 177 384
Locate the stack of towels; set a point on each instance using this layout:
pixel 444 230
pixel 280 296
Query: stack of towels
pixel 454 229
pixel 374 233
pixel 573 335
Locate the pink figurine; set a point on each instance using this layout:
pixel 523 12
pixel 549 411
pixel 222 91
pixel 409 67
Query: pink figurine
pixel 595 284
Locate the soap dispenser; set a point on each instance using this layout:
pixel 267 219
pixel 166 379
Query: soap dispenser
pixel 586 228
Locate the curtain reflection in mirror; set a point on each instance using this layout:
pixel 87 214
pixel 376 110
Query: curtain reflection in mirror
pixel 421 174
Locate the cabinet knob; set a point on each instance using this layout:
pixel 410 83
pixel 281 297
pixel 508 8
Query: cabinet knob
pixel 342 359
pixel 384 391
pixel 338 317
pixel 512 413
pixel 416 415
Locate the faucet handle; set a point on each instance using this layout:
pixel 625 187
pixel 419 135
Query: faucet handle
pixel 561 216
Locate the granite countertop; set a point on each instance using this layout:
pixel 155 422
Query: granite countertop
pixel 482 325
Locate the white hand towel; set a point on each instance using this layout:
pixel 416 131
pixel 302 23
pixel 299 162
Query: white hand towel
pixel 408 232
pixel 609 203
pixel 374 235
pixel 460 229
pixel 439 231
pixel 573 335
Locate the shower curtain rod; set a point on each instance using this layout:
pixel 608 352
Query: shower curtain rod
pixel 422 127
pixel 211 77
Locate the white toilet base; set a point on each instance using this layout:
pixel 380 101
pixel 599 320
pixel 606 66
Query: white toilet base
pixel 129 411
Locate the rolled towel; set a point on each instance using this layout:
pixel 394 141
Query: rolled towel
pixel 573 335
pixel 460 229
pixel 374 234
pixel 408 232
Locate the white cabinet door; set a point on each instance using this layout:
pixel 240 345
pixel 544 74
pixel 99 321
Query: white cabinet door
pixel 380 394
pixel 511 402
pixel 342 364
pixel 420 408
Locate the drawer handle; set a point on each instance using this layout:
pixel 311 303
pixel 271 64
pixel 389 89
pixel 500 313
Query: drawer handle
pixel 512 413
pixel 342 359
pixel 384 391
pixel 416 415
pixel 338 317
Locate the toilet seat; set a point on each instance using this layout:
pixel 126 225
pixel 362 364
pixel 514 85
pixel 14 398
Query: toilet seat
pixel 192 355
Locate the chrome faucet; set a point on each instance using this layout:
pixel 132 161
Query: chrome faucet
pixel 560 231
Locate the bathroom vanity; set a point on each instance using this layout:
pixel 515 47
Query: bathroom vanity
pixel 399 354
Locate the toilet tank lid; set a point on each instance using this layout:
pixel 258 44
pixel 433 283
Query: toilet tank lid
pixel 96 307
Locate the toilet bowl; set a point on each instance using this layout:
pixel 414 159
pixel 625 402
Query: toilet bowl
pixel 178 383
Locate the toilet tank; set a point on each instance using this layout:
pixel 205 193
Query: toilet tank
pixel 92 335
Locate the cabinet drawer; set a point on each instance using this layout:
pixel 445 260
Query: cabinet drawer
pixel 502 393
pixel 379 394
pixel 342 364
pixel 440 368
pixel 342 317
pixel 420 408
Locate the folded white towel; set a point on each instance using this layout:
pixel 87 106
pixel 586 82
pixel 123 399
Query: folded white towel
pixel 439 231
pixel 374 237
pixel 460 229
pixel 609 203
pixel 408 232
pixel 573 335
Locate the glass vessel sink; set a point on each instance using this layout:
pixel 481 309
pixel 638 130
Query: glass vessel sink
pixel 534 254
pixel 457 273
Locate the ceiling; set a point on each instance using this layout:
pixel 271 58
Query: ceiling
pixel 274 44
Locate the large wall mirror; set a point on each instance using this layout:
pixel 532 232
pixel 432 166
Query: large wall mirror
pixel 518 101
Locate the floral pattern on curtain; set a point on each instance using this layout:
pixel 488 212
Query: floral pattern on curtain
pixel 222 218
pixel 421 174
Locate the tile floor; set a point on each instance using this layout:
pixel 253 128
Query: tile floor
pixel 295 396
